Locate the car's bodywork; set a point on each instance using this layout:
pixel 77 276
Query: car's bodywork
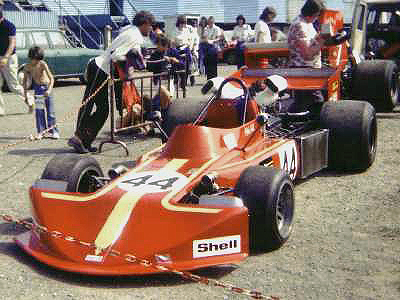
pixel 181 206
pixel 143 212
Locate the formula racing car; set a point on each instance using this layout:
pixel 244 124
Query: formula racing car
pixel 219 188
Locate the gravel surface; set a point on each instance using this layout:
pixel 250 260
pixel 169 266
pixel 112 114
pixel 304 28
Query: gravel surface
pixel 345 243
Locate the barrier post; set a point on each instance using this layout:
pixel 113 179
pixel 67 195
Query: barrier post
pixel 111 99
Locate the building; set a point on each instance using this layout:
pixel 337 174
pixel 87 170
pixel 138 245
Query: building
pixel 85 20
pixel 224 11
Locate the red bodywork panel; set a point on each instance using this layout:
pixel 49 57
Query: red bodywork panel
pixel 142 212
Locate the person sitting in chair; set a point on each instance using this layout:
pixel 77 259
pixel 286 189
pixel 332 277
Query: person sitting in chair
pixel 165 57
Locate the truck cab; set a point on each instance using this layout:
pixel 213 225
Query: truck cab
pixel 376 29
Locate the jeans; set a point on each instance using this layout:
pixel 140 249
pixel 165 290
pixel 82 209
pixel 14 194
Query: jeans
pixel 239 51
pixel 44 109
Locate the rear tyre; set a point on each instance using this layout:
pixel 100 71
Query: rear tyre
pixel 182 112
pixel 268 195
pixel 352 134
pixel 377 81
pixel 76 170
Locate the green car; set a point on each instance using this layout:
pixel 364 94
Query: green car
pixel 64 59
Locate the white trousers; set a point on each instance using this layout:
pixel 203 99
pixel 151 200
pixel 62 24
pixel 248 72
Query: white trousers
pixel 9 73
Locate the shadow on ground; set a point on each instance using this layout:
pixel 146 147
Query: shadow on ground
pixel 154 280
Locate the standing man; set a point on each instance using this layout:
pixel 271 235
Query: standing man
pixel 262 33
pixel 9 60
pixel 213 36
pixel 124 50
pixel 305 51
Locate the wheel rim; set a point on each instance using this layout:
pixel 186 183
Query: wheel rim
pixel 372 139
pixel 394 91
pixel 284 210
pixel 86 184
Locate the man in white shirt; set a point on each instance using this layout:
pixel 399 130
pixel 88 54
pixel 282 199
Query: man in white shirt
pixel 213 36
pixel 127 44
pixel 262 33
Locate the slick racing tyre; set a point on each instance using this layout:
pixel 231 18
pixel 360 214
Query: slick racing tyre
pixel 352 134
pixel 377 81
pixel 268 195
pixel 76 170
pixel 182 112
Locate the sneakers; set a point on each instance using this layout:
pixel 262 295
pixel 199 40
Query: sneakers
pixel 92 149
pixel 77 144
pixel 55 135
pixel 49 135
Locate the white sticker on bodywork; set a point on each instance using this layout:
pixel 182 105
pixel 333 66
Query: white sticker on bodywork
pixel 216 246
pixel 230 141
pixel 153 181
pixel 94 258
pixel 288 159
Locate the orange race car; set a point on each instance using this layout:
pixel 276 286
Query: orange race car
pixel 220 187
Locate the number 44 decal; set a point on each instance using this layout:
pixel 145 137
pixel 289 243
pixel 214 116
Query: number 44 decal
pixel 288 159
pixel 153 182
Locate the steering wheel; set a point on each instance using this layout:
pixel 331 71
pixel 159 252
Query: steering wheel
pixel 218 94
pixel 342 36
pixel 245 93
pixel 237 80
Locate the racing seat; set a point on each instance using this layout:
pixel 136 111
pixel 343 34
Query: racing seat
pixel 228 113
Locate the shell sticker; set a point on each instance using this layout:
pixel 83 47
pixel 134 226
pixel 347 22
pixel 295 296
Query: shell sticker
pixel 153 181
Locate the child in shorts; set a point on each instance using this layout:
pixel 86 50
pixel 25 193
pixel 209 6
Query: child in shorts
pixel 42 84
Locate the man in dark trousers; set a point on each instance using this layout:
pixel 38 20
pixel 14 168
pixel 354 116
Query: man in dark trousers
pixel 212 36
pixel 9 60
pixel 125 46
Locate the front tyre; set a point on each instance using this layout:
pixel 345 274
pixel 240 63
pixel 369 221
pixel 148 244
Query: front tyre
pixel 268 194
pixel 78 171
